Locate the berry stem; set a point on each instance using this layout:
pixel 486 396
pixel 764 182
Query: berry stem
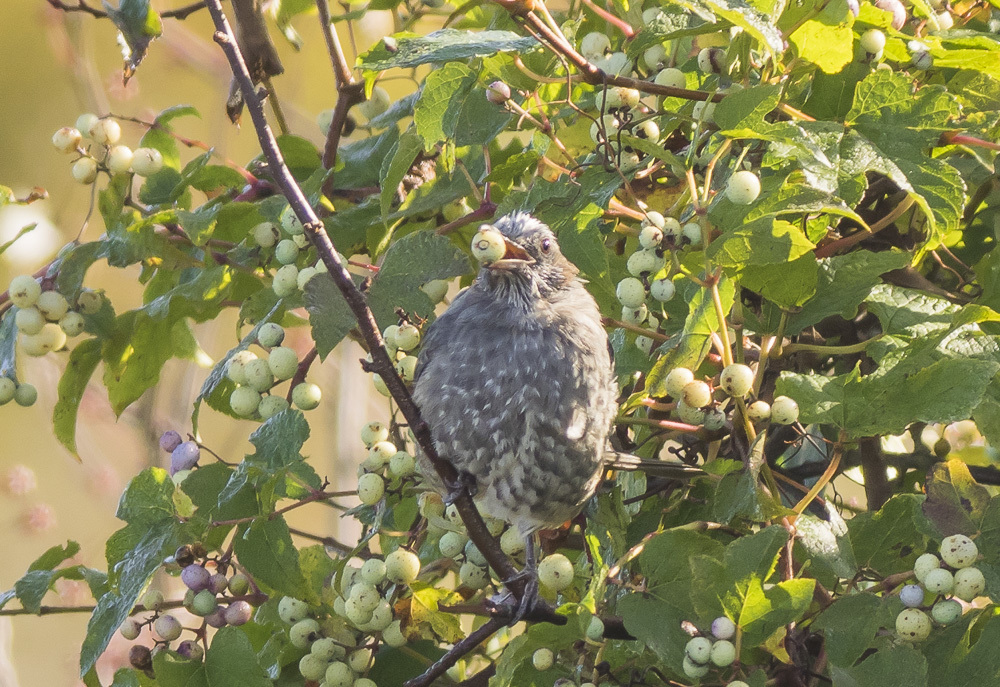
pixel 622 26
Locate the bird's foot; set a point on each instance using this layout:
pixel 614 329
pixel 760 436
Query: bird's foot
pixel 520 606
pixel 466 482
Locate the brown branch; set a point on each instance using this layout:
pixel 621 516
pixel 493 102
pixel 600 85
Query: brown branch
pixel 312 498
pixel 381 363
pixel 301 371
pixel 456 652
pixel 81 6
pixel 877 489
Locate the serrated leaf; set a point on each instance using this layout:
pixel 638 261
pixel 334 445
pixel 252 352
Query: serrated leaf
pixel 72 385
pixel 279 440
pixel 232 660
pixel 148 498
pixel 445 45
pixel 424 609
pixel 826 542
pixel 849 625
pixel 435 114
pixel 761 242
pixel 897 665
pixel 329 315
pixel 265 547
pixel 395 166
pixel 888 541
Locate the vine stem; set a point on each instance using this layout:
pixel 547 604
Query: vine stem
pixel 312 498
pixel 460 649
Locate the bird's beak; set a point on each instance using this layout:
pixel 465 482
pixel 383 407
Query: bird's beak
pixel 513 257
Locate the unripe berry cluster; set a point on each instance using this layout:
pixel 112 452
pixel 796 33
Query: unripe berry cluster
pixel 44 317
pixel 255 378
pixel 697 403
pixel 385 466
pixel 706 651
pixel 95 140
pixel 402 342
pixel 940 588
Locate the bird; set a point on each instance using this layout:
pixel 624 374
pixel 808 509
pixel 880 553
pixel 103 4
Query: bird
pixel 516 383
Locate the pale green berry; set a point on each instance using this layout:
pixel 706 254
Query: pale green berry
pixel 7 390
pixel 130 629
pixel 543 659
pixel 595 629
pixel 619 96
pixel 715 419
pixel 84 170
pixel 285 281
pixel 265 234
pixel 25 395
pixel 969 583
pixel 72 323
pixel 723 628
pixel 631 292
pixel 913 624
pixel 436 290
pixel 373 571
pixel 699 649
pixel 152 600
pixel 474 555
pixel 272 405
pixel 270 334
pixel 959 551
pixel 85 122
pixel 147 161
pixel 52 305
pixel 654 57
pixel 305 274
pixel 290 222
pixel 303 633
pixel 105 131
pixel 282 362
pixel 327 648
pixel 402 566
pixel 737 683
pixel 292 610
pixel 784 411
pixel 24 291
pixel 644 344
pixel 204 603
pixel 375 105
pixel 406 368
pixel 380 385
pixel 49 338
pixel 389 336
pixel 473 576
pixel 324 120
pixel 759 411
pixel 119 159
pixel 512 542
pixel 374 432
pixel 692 232
pixel 286 252
pixel 402 465
pixel 605 129
pixel 244 401
pixel 946 611
pixel 359 660
pixel 239 584
pixel 29 321
pixel 671 78
pixel 371 488
pixel 338 674
pixel 300 240
pixel 595 45
pixel 671 229
pixel 488 245
pixel 873 41
pixel 635 316
pixel 306 396
pixel 312 667
pixel 650 131
pixel 67 139
pixel 662 289
pixel 677 379
pixel 696 394
pixel 555 572
pixel 407 337
pixel 736 380
pixel 379 455
pixel 723 653
pixel 743 187
pixel 703 111
pixel 939 581
pixel 643 262
pixel 690 414
pixel 393 635
pixel 167 627
pixel 694 670
pixel 364 594
pixel 616 64
pixel 236 367
pixel 258 375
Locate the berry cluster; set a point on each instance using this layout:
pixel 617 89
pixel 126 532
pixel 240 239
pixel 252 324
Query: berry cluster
pixel 218 599
pixel 184 455
pixel 401 342
pixel 339 650
pixel 384 467
pixel 95 140
pixel 940 588
pixel 705 651
pixel 256 377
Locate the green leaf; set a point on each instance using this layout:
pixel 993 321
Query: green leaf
pixel 173 671
pixel 888 541
pixel 435 114
pixel 849 625
pixel 826 542
pixel 148 498
pixel 72 385
pixel 956 503
pixel 445 45
pixel 409 263
pixel 232 660
pixel 787 285
pixel 139 25
pixel 761 242
pixel 691 346
pixel 265 547
pixel 329 315
pixel 395 167
pixel 892 665
pixel 764 611
pixel 751 20
pixel 825 42
pixel 279 440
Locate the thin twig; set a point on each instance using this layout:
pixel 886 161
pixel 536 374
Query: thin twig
pixel 460 649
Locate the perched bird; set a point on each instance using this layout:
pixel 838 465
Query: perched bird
pixel 515 380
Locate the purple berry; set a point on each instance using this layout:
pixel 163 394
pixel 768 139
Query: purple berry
pixel 239 613
pixel 190 649
pixel 170 440
pixel 184 457
pixel 195 577
pixel 217 583
pixel 216 618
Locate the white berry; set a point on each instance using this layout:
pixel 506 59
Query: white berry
pixel 671 78
pixel 743 187
pixel 696 394
pixel 969 583
pixel 594 45
pixel 913 624
pixel 677 379
pixel 784 411
pixel 146 161
pixel 699 650
pixel 29 321
pixel 631 293
pixel 407 337
pixel 924 564
pixel 736 380
pixel 84 170
pixel 119 159
pixel 105 131
pixel 643 262
pixel 66 139
pixel 371 488
pixel 959 551
pixel 555 572
pixel 873 41
pixel 543 659
pixel 939 581
pixel 402 566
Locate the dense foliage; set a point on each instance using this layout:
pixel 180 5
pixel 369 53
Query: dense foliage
pixel 818 175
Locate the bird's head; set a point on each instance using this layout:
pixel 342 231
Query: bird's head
pixel 530 262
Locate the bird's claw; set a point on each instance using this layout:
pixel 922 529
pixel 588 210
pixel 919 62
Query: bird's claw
pixel 466 482
pixel 524 605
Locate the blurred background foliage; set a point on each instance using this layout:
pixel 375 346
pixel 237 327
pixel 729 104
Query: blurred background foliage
pixel 56 66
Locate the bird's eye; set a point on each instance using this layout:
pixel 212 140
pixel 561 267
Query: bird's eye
pixel 546 245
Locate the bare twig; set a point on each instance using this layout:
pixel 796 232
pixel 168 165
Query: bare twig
pixel 81 6
pixel 460 649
